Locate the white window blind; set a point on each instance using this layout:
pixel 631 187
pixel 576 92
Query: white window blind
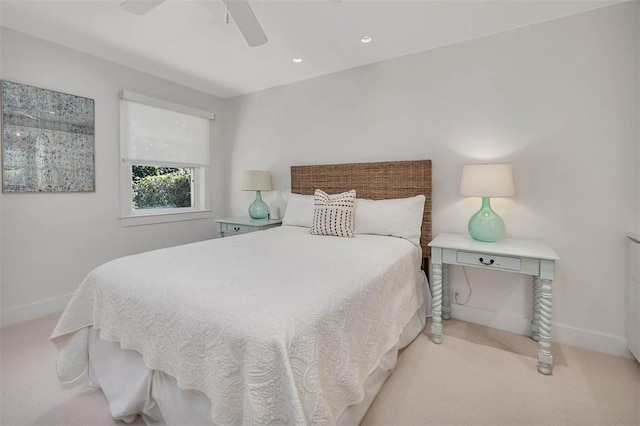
pixel 162 134
pixel 155 135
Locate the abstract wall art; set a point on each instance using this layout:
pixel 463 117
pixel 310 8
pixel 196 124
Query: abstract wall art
pixel 47 140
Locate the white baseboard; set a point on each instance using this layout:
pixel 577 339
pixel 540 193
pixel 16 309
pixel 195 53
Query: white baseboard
pixel 33 310
pixel 585 339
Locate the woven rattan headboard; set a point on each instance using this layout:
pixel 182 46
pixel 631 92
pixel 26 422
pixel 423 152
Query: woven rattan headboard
pixel 375 181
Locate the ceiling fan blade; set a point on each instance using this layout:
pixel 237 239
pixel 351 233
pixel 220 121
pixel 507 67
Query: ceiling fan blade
pixel 140 7
pixel 246 22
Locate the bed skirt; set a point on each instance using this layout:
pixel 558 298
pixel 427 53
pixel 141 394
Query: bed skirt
pixel 131 388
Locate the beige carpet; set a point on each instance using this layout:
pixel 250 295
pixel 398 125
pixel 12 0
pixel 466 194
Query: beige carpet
pixel 477 376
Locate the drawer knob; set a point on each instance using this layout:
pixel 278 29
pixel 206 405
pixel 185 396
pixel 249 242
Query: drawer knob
pixel 236 228
pixel 490 262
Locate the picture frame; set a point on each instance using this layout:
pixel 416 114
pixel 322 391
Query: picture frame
pixel 48 140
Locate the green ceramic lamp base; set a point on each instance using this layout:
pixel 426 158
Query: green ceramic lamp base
pixel 486 225
pixel 258 209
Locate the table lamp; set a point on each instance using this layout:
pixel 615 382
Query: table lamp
pixel 486 180
pixel 257 180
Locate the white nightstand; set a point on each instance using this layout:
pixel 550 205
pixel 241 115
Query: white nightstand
pixel 244 224
pixel 528 257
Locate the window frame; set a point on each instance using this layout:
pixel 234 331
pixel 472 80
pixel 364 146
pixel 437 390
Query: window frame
pixel 201 176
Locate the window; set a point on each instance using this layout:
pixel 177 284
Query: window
pixel 155 187
pixel 165 170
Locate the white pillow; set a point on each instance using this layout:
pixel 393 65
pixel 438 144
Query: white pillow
pixel 333 214
pixel 400 217
pixel 299 211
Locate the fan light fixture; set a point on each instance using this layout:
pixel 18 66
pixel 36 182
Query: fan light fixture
pixel 140 7
pixel 239 10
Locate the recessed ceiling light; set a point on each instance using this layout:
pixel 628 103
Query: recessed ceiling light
pixel 366 39
pixel 297 60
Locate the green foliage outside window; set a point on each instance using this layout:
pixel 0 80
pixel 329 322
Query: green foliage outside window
pixel 161 187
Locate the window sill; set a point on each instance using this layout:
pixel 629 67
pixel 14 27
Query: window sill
pixel 155 218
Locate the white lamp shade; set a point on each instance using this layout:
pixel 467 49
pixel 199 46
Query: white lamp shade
pixel 487 180
pixel 256 180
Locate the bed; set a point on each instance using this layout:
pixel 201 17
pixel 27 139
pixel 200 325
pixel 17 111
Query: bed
pixel 306 335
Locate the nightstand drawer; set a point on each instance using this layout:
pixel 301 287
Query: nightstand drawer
pixel 490 261
pixel 231 227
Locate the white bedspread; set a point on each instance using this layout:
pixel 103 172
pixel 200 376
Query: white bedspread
pixel 276 326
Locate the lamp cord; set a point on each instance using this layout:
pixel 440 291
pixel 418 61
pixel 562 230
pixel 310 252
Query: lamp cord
pixel 468 285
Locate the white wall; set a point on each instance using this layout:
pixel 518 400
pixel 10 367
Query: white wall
pixel 0 195
pixel 51 241
pixel 559 100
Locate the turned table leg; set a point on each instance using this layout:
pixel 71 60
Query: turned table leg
pixel 436 314
pixel 446 293
pixel 545 359
pixel 535 315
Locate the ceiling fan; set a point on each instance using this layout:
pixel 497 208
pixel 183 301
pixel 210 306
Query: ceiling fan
pixel 239 10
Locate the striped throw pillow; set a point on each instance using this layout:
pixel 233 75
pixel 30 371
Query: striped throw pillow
pixel 333 214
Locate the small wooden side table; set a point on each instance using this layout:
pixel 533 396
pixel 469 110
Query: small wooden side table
pixel 244 224
pixel 528 257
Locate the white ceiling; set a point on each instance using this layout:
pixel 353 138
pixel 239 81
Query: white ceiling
pixel 188 42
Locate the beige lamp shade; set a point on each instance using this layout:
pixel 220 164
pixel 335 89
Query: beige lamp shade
pixel 256 180
pixel 487 180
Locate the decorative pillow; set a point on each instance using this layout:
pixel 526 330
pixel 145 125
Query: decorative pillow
pixel 400 217
pixel 299 211
pixel 333 214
